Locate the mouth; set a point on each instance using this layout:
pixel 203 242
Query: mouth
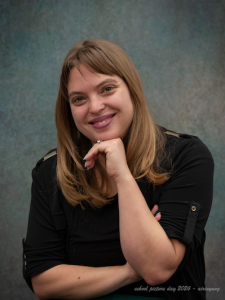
pixel 102 121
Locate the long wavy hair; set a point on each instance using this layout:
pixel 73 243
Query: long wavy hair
pixel 144 142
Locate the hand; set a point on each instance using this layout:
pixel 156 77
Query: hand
pixel 155 211
pixel 115 157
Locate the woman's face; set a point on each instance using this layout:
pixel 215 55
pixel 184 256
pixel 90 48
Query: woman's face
pixel 100 104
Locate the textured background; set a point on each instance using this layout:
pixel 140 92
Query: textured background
pixel 178 48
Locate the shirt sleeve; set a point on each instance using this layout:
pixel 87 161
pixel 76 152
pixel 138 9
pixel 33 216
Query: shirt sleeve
pixel 186 198
pixel 43 247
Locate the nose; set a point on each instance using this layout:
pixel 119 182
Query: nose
pixel 96 104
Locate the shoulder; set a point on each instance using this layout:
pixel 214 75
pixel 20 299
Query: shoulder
pixel 47 164
pixel 183 147
pixel 50 156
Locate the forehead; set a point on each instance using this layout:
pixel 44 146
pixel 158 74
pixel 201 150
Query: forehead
pixel 87 78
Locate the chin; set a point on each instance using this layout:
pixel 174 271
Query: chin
pixel 110 137
pixel 106 136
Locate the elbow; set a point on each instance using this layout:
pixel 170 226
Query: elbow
pixel 158 277
pixel 39 290
pixel 152 281
pixel 39 295
pixel 46 285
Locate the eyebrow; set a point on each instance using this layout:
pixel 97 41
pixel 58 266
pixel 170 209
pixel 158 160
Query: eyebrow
pixel 109 80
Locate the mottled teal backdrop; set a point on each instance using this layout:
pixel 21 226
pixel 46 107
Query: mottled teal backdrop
pixel 178 48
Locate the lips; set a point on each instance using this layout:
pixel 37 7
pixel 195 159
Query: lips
pixel 106 120
pixel 102 118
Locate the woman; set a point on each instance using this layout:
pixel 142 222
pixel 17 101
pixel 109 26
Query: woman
pixel 114 170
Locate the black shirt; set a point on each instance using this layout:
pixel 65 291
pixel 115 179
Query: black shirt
pixel 92 237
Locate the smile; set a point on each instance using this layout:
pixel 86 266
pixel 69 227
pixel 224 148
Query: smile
pixel 103 123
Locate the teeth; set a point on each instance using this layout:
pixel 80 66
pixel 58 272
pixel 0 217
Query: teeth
pixel 99 123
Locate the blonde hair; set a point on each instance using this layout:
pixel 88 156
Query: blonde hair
pixel 144 142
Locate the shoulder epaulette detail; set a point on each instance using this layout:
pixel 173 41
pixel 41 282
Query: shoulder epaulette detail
pixel 172 133
pixel 49 155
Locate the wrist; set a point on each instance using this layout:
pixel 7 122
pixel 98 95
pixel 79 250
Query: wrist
pixel 132 276
pixel 125 275
pixel 124 178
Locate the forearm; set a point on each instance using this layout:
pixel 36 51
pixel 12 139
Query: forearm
pixel 144 243
pixel 79 282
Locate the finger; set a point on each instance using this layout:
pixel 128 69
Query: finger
pixel 154 209
pixel 95 151
pixel 90 161
pixel 89 164
pixel 92 156
pixel 158 217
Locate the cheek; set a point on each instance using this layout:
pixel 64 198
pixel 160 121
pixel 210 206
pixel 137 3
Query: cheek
pixel 78 122
pixel 78 117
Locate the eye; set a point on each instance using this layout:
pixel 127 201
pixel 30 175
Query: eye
pixel 108 88
pixel 78 99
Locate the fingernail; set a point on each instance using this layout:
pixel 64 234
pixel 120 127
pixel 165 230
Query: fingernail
pixel 84 157
pixel 157 214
